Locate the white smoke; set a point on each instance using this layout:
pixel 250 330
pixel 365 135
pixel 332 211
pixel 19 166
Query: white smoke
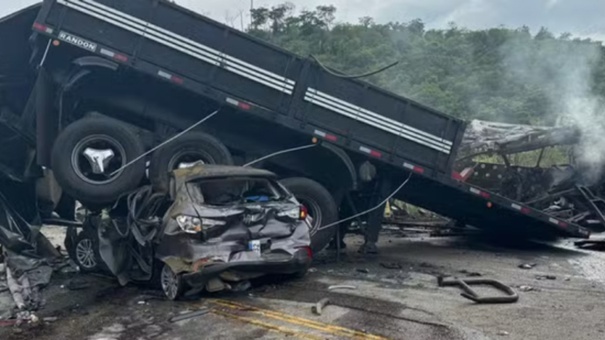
pixel 564 71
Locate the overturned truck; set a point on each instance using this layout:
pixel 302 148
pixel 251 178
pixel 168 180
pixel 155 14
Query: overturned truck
pixel 96 97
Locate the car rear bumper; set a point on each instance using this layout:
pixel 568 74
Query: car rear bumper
pixel 296 263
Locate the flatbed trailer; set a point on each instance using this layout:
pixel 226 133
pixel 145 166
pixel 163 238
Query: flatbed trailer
pixel 193 53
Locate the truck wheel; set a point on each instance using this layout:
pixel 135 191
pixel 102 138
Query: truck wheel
pixel 190 149
pixel 86 154
pixel 321 206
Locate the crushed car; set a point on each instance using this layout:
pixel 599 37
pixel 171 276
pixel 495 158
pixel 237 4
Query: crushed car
pixel 215 228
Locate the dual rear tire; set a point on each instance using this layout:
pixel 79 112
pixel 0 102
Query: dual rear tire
pixel 96 160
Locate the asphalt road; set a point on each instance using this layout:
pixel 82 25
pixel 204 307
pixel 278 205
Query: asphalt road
pixel 395 297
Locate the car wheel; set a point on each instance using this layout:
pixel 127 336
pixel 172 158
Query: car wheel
pixel 190 149
pixel 87 154
pixel 321 207
pixel 85 254
pixel 172 284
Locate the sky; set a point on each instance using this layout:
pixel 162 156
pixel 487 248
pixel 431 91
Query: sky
pixel 582 18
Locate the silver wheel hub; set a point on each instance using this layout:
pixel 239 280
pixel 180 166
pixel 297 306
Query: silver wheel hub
pixel 98 159
pixel 85 254
pixel 170 282
pixel 184 165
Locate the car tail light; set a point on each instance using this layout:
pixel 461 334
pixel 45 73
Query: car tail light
pixel 304 213
pixel 298 213
pixel 308 250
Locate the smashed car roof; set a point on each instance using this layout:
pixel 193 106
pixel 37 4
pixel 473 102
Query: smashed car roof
pixel 205 171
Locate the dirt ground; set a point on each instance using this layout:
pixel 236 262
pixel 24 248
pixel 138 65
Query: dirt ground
pixel 395 297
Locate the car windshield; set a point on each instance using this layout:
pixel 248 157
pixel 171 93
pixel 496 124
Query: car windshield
pixel 224 191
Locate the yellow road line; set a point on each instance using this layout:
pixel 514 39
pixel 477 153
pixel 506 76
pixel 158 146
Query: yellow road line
pixel 268 326
pixel 328 328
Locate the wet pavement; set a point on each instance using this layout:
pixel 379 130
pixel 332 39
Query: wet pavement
pixel 395 297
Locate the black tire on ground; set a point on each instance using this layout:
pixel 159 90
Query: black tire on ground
pixel 69 165
pixel 191 147
pixel 315 197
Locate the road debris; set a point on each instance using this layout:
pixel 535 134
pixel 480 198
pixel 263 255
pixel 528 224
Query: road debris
pixel 510 297
pixel 342 287
pixel 189 315
pixel 77 284
pixel 391 265
pixel 363 270
pixel 527 265
pixel 591 244
pixel 470 274
pixel 526 288
pixel 319 306
pixel 503 333
pixel 546 277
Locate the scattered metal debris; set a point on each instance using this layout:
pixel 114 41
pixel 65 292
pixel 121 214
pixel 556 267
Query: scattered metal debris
pixel 527 265
pixel 591 244
pixel 342 287
pixel 391 265
pixel 77 284
pixel 319 306
pixel 510 297
pixel 546 277
pixel 526 288
pixel 189 315
pixel 241 286
pixel 470 274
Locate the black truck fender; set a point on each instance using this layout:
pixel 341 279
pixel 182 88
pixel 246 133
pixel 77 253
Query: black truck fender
pixel 94 61
pixel 49 118
pixel 346 160
pixel 327 164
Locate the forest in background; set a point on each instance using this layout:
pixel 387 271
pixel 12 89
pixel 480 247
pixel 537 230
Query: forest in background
pixel 498 74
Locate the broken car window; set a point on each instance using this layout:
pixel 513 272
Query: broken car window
pixel 223 191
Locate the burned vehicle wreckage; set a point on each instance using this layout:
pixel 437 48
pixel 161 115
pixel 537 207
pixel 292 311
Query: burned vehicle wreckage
pixel 216 227
pixel 568 190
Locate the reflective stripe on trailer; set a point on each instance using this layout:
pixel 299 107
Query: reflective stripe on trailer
pixel 240 104
pixel 42 28
pixel 171 77
pixel 113 55
pixel 557 222
pixel 479 192
pixel 414 168
pixel 376 120
pixel 326 136
pixel 520 208
pixel 370 152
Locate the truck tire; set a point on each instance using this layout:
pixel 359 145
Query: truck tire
pixel 90 182
pixel 321 206
pixel 191 148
